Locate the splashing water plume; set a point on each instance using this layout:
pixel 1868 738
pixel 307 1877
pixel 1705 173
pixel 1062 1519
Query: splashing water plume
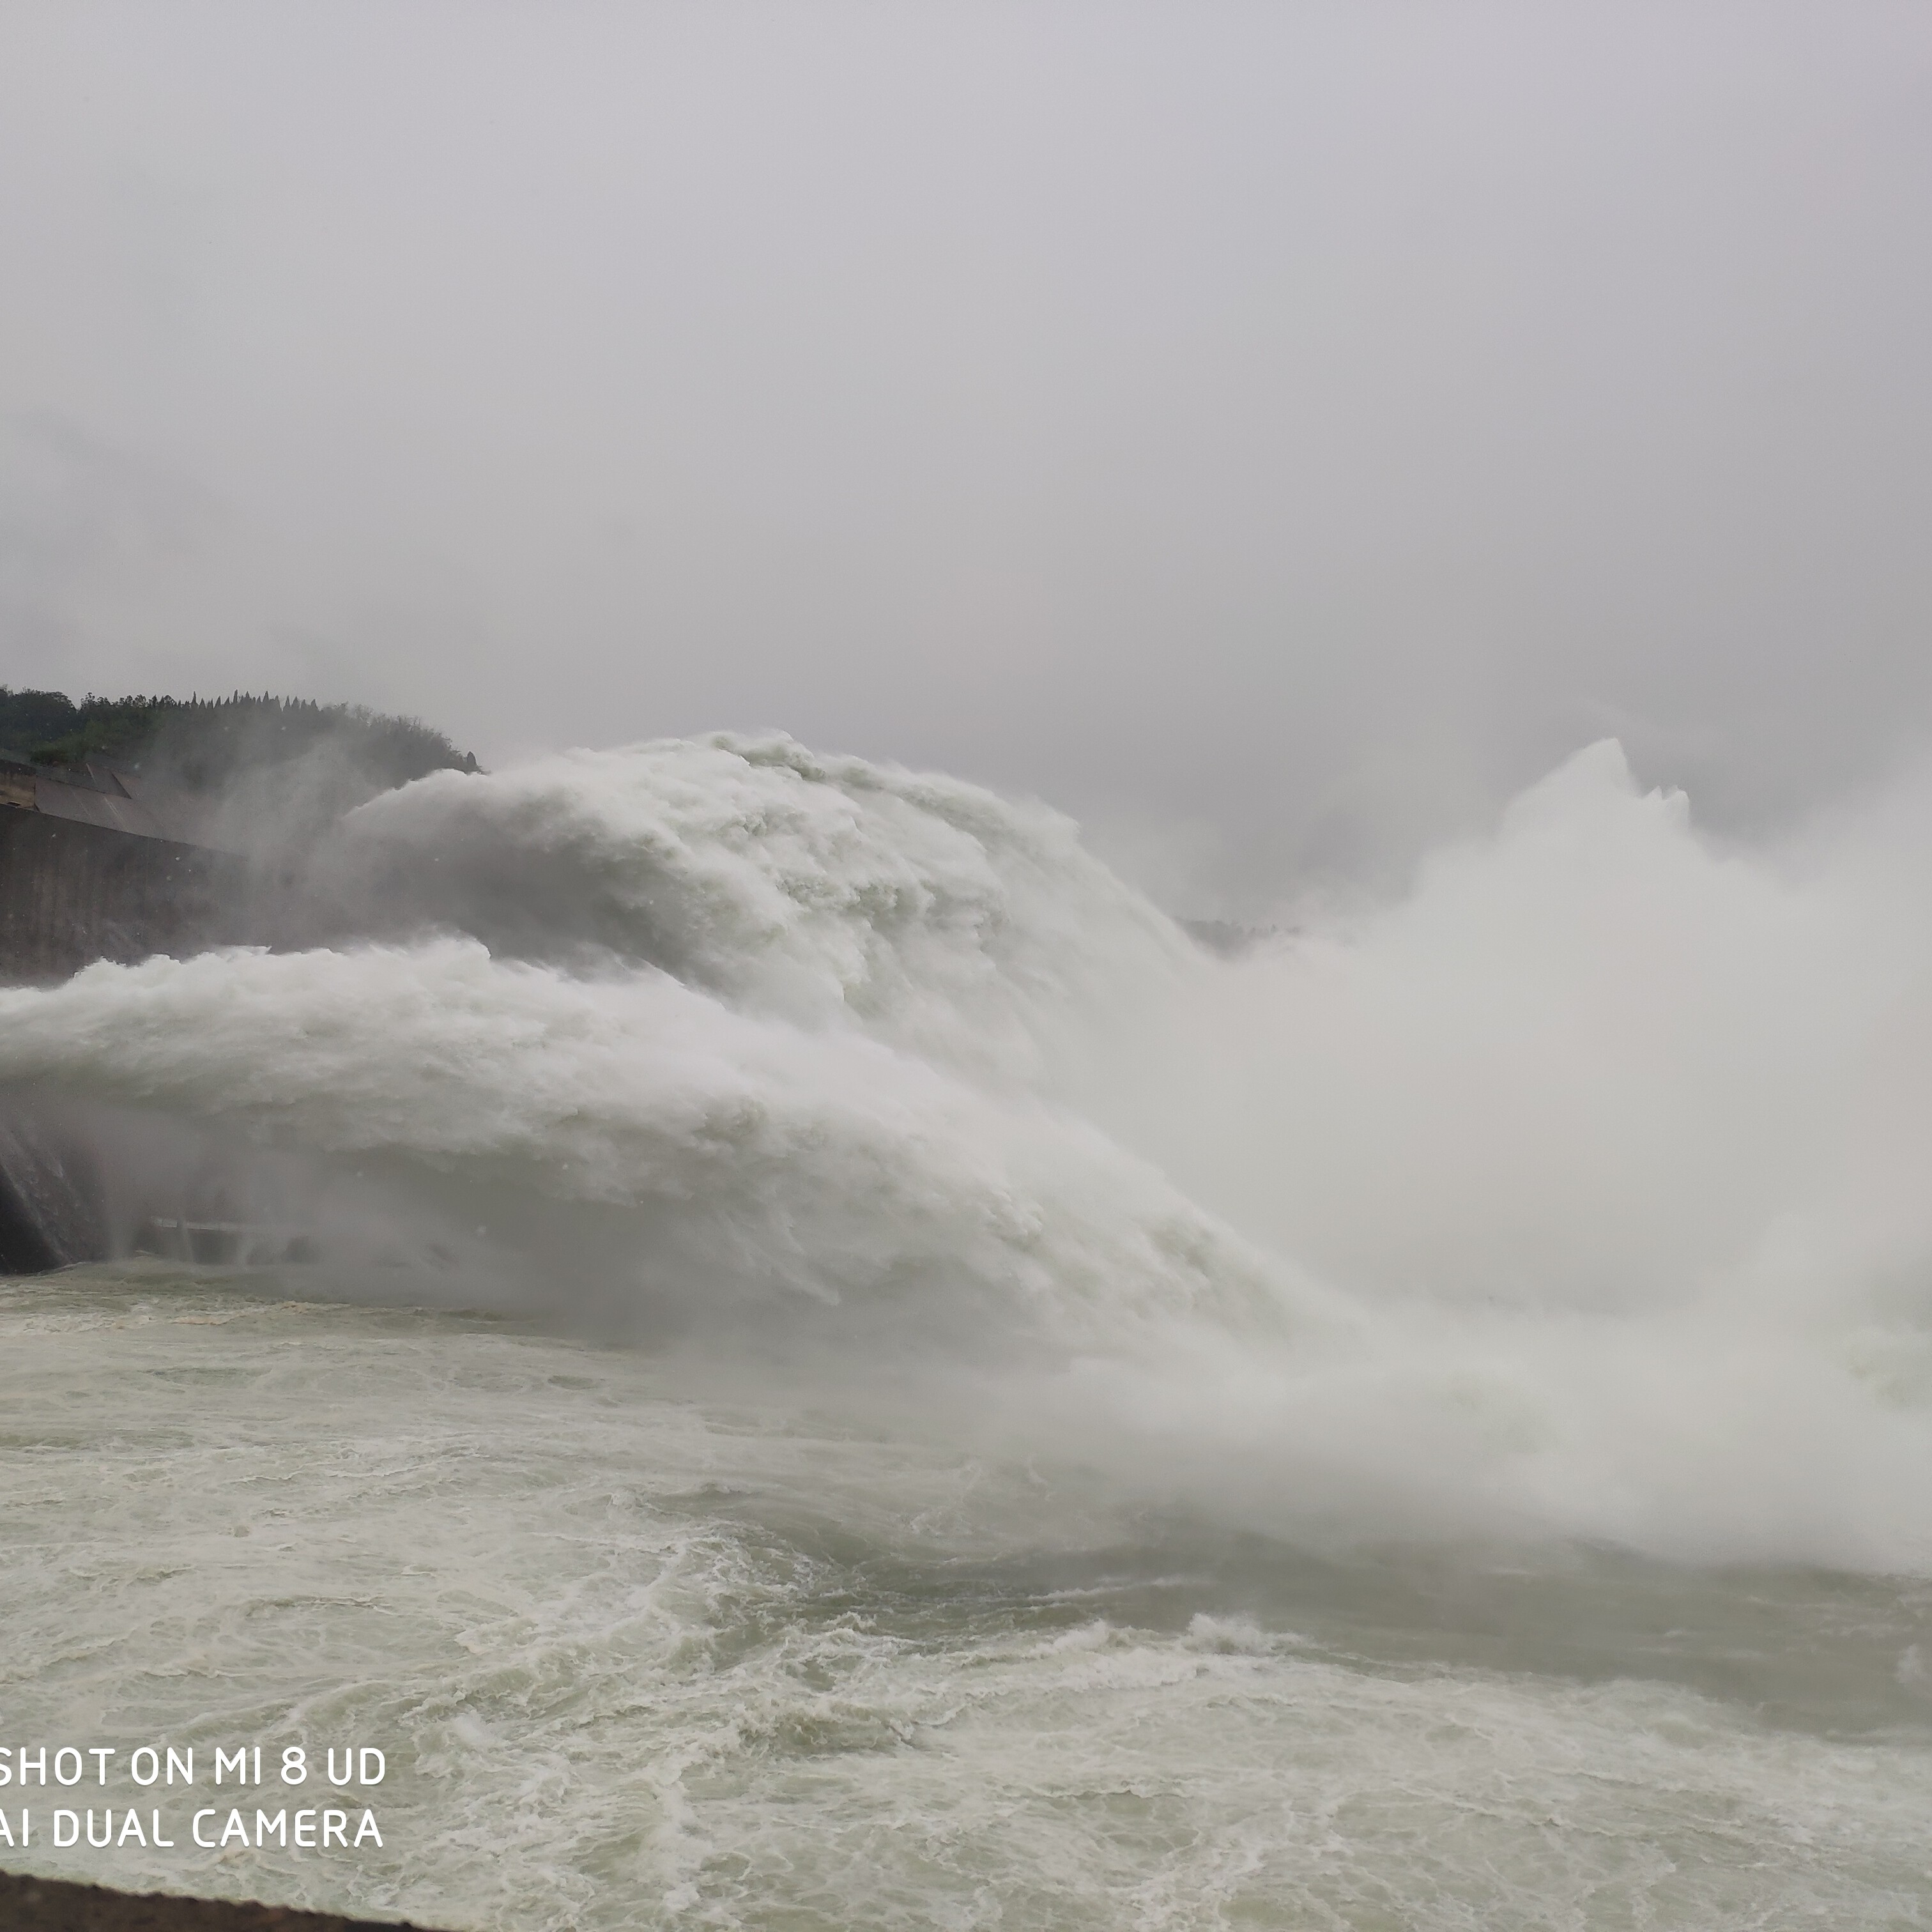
pixel 1576 1194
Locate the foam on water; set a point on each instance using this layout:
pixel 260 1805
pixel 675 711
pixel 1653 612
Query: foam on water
pixel 639 1659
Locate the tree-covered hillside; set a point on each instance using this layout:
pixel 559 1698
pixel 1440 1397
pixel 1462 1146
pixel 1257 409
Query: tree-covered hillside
pixel 205 743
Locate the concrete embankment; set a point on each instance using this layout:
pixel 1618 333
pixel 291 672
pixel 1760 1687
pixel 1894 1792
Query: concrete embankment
pixel 52 1905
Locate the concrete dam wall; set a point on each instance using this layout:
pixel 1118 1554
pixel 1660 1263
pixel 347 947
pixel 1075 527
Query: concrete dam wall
pixel 76 886
pixel 86 873
pixel 72 893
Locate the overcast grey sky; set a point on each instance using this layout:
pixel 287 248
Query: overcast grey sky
pixel 1272 432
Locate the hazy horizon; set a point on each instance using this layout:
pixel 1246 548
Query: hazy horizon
pixel 1274 435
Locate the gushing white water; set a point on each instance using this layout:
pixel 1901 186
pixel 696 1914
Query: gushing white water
pixel 1578 1193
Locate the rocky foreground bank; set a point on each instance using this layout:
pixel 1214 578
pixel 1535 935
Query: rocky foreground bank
pixel 52 1905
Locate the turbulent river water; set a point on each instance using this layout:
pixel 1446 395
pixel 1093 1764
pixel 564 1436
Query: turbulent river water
pixel 856 1377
